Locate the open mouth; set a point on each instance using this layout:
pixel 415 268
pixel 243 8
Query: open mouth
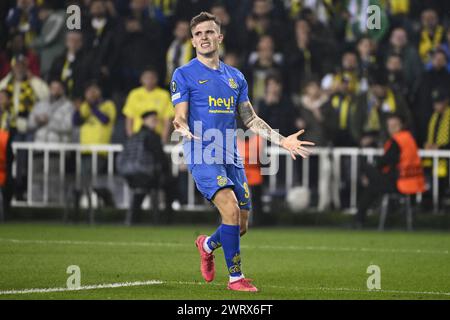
pixel 205 45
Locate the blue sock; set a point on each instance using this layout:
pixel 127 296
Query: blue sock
pixel 214 240
pixel 230 236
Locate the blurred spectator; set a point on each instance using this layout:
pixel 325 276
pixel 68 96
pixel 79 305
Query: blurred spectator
pixel 366 49
pixel 310 115
pixel 446 48
pixel 168 11
pixel 396 79
pixel 146 167
pixel 354 18
pixel 25 88
pixel 263 20
pixel 95 116
pixel 398 12
pixel 138 45
pixel 412 65
pixel 233 59
pixel 431 34
pixel 149 97
pixel 98 44
pixel 260 64
pixel 6 179
pixel 51 120
pixel 5 6
pixel 180 50
pixel 49 43
pixel 186 9
pixel 348 70
pixel 398 170
pixel 438 135
pixel 24 18
pixel 71 67
pixel 16 46
pixel 276 108
pixel 339 113
pixel 233 36
pixel 6 116
pixel 6 153
pixel 437 76
pixel 373 109
pixel 304 57
pixel 322 10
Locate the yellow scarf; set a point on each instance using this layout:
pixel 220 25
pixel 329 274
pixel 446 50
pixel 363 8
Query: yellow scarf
pixel 441 139
pixel 67 76
pixel 343 104
pixel 354 81
pixel 27 97
pixel 427 44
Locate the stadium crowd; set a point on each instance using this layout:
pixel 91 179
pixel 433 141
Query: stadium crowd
pixel 311 64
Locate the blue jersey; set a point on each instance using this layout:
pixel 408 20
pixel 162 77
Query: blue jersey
pixel 213 97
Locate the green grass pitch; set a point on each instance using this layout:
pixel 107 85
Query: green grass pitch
pixel 285 263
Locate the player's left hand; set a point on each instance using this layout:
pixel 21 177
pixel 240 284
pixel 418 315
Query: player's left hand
pixel 295 146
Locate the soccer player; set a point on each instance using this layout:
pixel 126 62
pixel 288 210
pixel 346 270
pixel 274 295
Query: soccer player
pixel 207 95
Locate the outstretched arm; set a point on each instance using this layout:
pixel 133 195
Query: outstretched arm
pixel 180 121
pixel 260 127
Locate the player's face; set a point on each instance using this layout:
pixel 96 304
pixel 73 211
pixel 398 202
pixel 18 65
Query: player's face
pixel 206 38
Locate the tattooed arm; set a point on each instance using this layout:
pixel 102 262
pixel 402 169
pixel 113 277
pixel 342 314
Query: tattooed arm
pixel 260 127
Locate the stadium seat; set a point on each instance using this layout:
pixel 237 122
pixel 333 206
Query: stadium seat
pixel 403 198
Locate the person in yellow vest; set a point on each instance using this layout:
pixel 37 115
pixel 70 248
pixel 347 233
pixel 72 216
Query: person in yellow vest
pixel 399 170
pixel 438 136
pixel 149 97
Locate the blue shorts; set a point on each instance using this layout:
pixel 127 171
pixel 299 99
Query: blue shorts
pixel 211 178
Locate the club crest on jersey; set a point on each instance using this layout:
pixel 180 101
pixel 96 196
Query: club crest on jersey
pixel 173 86
pixel 232 83
pixel 221 181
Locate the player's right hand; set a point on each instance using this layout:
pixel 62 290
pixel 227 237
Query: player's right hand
pixel 184 131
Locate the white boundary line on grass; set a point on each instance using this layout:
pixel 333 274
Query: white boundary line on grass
pixel 322 288
pixel 89 287
pixel 156 282
pixel 262 247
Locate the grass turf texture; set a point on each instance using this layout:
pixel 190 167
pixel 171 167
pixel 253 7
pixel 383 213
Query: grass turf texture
pixel 285 263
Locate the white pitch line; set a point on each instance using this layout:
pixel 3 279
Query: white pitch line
pixel 260 247
pixel 320 288
pixel 155 282
pixel 89 287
